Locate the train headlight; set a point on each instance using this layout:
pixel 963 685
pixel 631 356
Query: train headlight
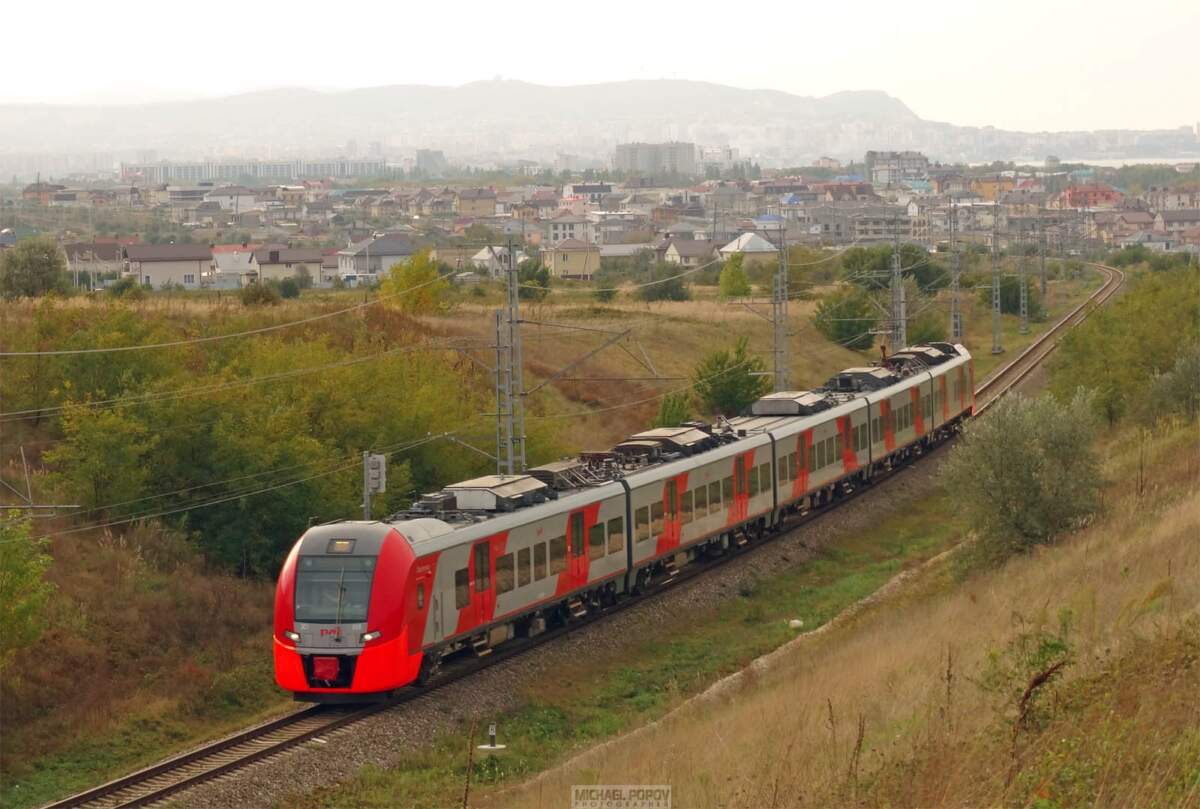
pixel 369 636
pixel 292 636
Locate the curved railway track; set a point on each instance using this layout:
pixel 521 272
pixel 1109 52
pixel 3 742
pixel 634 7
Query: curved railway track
pixel 167 778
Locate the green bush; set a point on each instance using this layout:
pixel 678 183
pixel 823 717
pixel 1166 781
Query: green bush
pixel 848 317
pixel 289 288
pixel 259 295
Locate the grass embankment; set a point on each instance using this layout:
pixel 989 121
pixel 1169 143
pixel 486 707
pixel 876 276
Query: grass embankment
pixel 147 653
pixel 946 693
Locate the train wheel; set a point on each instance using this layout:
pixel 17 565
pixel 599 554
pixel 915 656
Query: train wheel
pixel 429 668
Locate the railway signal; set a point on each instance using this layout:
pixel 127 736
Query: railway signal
pixel 374 479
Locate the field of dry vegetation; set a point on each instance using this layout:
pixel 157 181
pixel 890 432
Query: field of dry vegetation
pixel 1067 677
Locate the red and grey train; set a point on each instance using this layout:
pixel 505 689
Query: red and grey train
pixel 363 608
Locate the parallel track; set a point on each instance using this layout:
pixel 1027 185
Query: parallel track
pixel 167 778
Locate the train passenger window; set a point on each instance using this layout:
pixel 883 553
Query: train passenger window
pixel 672 498
pixel 829 456
pixel 714 497
pixel 642 521
pixel 811 451
pixel 838 448
pixel 686 507
pixel 794 465
pixel 819 454
pixel 462 588
pixel 421 595
pixel 701 500
pixel 726 492
pixel 782 466
pixel 596 541
pixel 656 518
pixel 764 477
pixel 753 481
pixel 740 470
pixel 539 561
pixel 483 567
pixel 505 578
pixel 558 555
pixel 524 567
pixel 577 535
pixel 616 534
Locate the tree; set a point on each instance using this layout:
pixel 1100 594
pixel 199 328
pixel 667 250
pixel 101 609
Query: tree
pixel 534 280
pixel 304 277
pixel 24 591
pixel 848 317
pixel 1027 472
pixel 727 381
pixel 733 282
pixel 927 327
pixel 666 284
pixel 415 286
pixel 33 267
pixel 259 295
pixel 1010 295
pixel 101 459
pixel 675 409
pixel 289 288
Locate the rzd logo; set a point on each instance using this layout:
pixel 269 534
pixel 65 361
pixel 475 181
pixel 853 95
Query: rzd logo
pixel 334 631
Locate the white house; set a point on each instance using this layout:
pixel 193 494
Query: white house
pixel 160 265
pixel 753 248
pixel 236 198
pixel 373 257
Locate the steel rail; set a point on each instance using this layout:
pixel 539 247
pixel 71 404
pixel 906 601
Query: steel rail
pixel 189 769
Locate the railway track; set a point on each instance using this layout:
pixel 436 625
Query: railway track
pixel 172 776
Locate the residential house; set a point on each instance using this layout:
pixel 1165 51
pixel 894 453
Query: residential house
pixel 494 260
pixel 572 258
pixel 1169 199
pixel 477 202
pixel 273 264
pixel 162 265
pixel 1089 195
pixel 456 258
pixel 1175 222
pixel 41 192
pixel 373 256
pixel 94 258
pixel 592 193
pixel 568 226
pixel 992 187
pixel 753 248
pixel 236 198
pixel 689 252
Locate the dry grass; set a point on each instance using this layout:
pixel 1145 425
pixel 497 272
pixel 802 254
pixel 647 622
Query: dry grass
pixel 1120 721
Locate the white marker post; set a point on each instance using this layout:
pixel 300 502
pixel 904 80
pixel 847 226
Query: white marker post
pixel 491 748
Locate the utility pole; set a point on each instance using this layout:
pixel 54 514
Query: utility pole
pixel 516 388
pixel 956 332
pixel 779 317
pixel 374 479
pixel 899 316
pixel 503 411
pixel 1041 230
pixel 1024 281
pixel 997 348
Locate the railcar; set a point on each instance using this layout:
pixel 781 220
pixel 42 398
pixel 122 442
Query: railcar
pixel 363 608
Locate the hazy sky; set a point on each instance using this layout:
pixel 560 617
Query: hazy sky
pixel 1015 64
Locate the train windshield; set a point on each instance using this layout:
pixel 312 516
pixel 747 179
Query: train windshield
pixel 333 590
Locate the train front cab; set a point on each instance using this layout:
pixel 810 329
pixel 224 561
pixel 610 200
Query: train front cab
pixel 340 603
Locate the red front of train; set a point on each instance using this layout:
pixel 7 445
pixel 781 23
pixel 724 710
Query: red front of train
pixel 344 627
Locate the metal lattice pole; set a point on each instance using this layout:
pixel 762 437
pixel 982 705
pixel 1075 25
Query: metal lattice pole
pixel 779 318
pixel 956 332
pixel 503 411
pixel 517 386
pixel 997 348
pixel 899 316
pixel 1023 280
pixel 1042 255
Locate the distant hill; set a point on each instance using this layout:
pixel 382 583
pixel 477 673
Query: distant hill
pixel 495 121
pixel 512 113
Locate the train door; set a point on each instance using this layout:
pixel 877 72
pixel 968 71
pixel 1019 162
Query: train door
pixel 577 559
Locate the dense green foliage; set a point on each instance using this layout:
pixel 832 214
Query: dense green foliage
pixel 1010 295
pixel 259 295
pixel 24 591
pixel 848 317
pixel 871 267
pixel 33 267
pixel 241 442
pixel 669 284
pixel 1027 472
pixel 1140 254
pixel 728 381
pixel 674 409
pixel 733 282
pixel 415 287
pixel 534 278
pixel 928 327
pixel 1120 349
